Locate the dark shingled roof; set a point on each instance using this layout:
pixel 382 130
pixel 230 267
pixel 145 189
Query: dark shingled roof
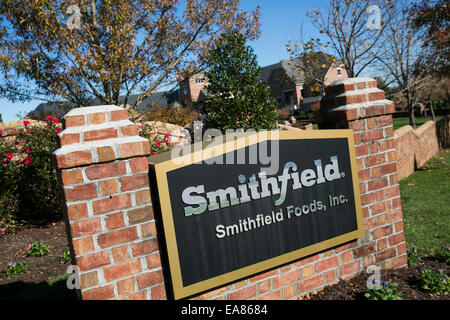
pixel 157 99
pixel 289 66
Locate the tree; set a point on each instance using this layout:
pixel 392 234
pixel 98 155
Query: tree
pixel 433 18
pixel 404 57
pixel 312 64
pixel 103 49
pixel 236 97
pixel 352 29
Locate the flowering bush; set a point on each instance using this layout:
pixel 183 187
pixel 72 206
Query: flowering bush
pixel 384 291
pixel 435 280
pixel 65 258
pixel 29 189
pixel 443 254
pixel 38 249
pixel 15 269
pixel 413 257
pixel 158 143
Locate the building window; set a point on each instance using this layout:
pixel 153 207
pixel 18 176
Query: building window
pixel 277 83
pixel 198 80
pixel 338 71
pixel 289 97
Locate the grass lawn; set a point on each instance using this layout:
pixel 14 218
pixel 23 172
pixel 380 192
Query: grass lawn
pixel 426 204
pixel 400 122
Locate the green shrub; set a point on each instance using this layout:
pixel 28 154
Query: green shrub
pixel 158 143
pixel 385 291
pixel 435 280
pixel 29 190
pixel 65 258
pixel 443 254
pixel 441 105
pixel 38 249
pixel 413 257
pixel 15 268
pixel 178 116
pixel 236 97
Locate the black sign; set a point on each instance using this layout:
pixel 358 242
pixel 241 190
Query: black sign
pixel 224 220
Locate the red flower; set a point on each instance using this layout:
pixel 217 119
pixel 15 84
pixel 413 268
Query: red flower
pixel 27 150
pixel 9 155
pixel 158 143
pixel 166 136
pixel 56 120
pixel 25 122
pixel 154 154
pixel 4 160
pixel 49 118
pixel 167 142
pixel 28 160
pixel 1 132
pixel 58 129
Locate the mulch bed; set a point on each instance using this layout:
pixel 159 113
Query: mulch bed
pixel 13 248
pixel 408 279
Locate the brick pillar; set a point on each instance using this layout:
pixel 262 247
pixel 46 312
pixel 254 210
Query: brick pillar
pixel 103 171
pixel 358 104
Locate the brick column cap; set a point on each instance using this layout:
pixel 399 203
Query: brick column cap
pixel 355 98
pixel 98 134
pixel 88 116
pixel 351 81
pixel 91 110
pixel 75 155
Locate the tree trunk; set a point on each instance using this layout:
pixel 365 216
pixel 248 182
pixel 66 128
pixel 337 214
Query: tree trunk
pixel 432 111
pixel 412 121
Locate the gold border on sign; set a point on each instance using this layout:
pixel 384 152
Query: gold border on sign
pixel 162 166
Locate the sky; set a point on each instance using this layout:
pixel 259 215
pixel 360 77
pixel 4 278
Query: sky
pixel 280 22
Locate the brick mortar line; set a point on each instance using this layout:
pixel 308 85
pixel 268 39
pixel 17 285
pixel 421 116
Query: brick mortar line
pixel 380 201
pixel 95 238
pixel 374 179
pixel 102 282
pixel 101 216
pixel 135 241
pixel 372 129
pixel 114 283
pixel 70 186
pixel 374 153
pixel 75 202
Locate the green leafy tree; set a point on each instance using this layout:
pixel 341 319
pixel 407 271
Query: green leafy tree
pixel 107 49
pixel 236 97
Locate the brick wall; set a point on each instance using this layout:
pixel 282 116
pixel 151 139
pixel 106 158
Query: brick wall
pixel 107 199
pixel 103 171
pixel 417 146
pixel 383 243
pixel 332 74
pixel 9 130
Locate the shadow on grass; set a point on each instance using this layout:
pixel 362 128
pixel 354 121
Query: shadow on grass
pixel 53 289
